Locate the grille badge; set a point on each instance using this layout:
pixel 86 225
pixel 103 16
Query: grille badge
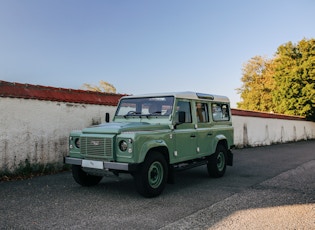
pixel 95 143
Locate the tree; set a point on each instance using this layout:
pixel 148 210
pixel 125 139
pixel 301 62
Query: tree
pixel 102 87
pixel 258 84
pixel 295 79
pixel 284 84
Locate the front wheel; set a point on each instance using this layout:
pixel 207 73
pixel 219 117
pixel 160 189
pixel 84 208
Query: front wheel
pixel 217 162
pixel 150 180
pixel 83 178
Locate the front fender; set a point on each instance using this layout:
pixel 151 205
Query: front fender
pixel 147 146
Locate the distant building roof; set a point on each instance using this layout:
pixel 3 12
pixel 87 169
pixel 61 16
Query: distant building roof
pixel 47 93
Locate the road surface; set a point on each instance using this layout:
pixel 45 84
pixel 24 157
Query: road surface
pixel 269 187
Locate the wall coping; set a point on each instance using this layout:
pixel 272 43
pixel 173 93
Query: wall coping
pixel 249 113
pixel 48 93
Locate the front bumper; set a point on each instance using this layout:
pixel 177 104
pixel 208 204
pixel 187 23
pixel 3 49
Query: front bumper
pixel 103 165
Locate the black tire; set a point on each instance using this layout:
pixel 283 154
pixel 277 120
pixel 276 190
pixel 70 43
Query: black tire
pixel 217 162
pixel 150 180
pixel 83 178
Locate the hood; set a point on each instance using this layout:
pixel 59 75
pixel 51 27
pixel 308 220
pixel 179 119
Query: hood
pixel 118 127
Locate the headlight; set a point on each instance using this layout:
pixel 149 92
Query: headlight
pixel 123 145
pixel 77 142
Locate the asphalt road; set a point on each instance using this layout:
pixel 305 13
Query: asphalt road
pixel 269 187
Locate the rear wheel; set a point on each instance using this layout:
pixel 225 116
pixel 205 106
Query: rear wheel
pixel 217 162
pixel 83 178
pixel 150 180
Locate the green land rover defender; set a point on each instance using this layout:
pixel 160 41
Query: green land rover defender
pixel 152 136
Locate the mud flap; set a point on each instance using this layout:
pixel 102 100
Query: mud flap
pixel 171 175
pixel 229 158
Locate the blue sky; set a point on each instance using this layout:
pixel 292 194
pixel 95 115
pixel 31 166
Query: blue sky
pixel 145 46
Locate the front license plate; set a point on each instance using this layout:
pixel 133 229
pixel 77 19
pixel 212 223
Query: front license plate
pixel 92 164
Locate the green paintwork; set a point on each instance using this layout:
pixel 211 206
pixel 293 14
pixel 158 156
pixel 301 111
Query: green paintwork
pixel 180 142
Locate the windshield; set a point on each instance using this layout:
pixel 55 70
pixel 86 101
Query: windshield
pixel 147 106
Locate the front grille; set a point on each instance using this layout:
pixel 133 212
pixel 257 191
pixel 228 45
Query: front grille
pixel 96 146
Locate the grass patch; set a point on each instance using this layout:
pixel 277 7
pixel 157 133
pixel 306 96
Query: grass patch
pixel 26 170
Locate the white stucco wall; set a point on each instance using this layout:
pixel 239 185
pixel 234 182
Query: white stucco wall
pixel 255 131
pixel 38 130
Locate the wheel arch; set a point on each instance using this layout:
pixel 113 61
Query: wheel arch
pixel 154 146
pixel 223 142
pixel 162 150
pixel 220 140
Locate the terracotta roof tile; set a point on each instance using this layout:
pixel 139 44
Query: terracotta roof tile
pixel 248 113
pixel 47 93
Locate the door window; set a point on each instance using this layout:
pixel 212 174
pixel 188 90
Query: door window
pixel 184 106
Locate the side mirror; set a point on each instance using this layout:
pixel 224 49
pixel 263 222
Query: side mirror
pixel 181 118
pixel 106 117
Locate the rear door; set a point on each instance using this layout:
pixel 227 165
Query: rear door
pixel 204 133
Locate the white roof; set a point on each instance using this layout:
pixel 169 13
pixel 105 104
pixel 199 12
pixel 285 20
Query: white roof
pixel 185 95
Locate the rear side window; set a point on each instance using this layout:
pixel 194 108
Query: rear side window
pixel 202 112
pixel 220 112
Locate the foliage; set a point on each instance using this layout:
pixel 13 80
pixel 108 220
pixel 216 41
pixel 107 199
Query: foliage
pixel 102 87
pixel 284 84
pixel 295 79
pixel 257 85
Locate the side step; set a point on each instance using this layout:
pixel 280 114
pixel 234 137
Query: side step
pixel 189 164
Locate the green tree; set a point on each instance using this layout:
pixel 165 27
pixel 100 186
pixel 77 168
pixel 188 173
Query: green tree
pixel 102 87
pixel 294 77
pixel 258 83
pixel 284 84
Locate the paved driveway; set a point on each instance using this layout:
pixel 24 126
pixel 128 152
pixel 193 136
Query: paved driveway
pixel 267 188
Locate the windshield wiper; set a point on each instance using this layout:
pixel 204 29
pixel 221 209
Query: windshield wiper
pixel 132 113
pixel 157 113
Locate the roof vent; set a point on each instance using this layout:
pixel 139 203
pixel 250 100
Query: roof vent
pixel 205 96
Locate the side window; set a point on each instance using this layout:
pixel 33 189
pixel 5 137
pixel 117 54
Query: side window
pixel 220 112
pixel 202 112
pixel 185 107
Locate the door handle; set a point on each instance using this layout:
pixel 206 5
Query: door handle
pixel 209 134
pixel 193 135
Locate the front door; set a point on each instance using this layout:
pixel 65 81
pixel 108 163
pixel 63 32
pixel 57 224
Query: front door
pixel 185 136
